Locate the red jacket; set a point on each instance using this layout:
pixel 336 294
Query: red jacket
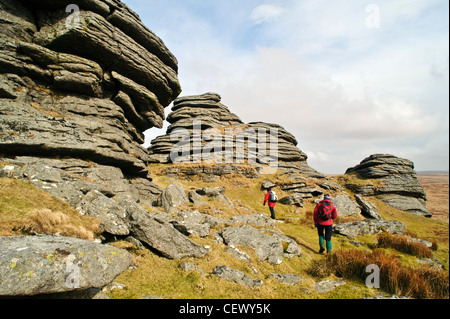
pixel 317 220
pixel 267 199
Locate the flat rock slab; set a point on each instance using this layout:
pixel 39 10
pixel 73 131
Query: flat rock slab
pixel 369 226
pixel 289 279
pixel 35 265
pixel 328 285
pixel 237 276
pixel 164 238
pixel 266 247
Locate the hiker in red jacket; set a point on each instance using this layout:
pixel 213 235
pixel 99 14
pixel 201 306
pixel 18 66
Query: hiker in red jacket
pixel 324 215
pixel 271 203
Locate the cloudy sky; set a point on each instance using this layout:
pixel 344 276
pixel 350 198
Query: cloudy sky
pixel 349 78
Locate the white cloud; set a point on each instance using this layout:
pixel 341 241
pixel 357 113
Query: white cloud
pixel 344 90
pixel 276 86
pixel 266 13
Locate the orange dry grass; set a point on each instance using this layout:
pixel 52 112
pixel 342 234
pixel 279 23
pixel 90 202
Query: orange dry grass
pixel 404 244
pixel 45 221
pixel 425 282
pixel 24 209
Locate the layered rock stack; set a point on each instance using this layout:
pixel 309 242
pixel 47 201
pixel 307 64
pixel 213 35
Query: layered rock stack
pixel 393 180
pixel 81 81
pixel 203 129
pixel 79 84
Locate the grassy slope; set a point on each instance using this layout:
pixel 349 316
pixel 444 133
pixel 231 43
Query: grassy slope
pixel 25 210
pixel 162 277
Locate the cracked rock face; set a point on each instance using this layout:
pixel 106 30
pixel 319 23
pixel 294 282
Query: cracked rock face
pixel 83 84
pixel 204 129
pixel 393 180
pixel 34 265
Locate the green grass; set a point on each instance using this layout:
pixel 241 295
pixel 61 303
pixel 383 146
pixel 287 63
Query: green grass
pixel 162 277
pixel 24 209
pixel 159 276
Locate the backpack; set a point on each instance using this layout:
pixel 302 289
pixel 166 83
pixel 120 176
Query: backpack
pixel 273 197
pixel 325 210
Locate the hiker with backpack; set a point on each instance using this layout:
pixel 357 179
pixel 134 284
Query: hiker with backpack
pixel 324 215
pixel 272 198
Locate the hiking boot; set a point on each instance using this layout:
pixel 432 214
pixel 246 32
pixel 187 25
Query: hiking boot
pixel 329 247
pixel 321 244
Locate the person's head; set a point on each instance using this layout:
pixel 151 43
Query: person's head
pixel 269 189
pixel 327 197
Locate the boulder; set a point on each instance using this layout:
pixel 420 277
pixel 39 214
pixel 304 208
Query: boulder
pixel 368 209
pixel 162 237
pixel 267 184
pixel 216 192
pixel 292 249
pixel 393 180
pixel 267 247
pixel 299 190
pixel 369 226
pixel 237 276
pixel 113 218
pixel 36 265
pixel 328 285
pixel 257 220
pixel 172 197
pixel 195 198
pixel 345 206
pixel 238 254
pixel 414 206
pixel 289 279
pixel 196 222
pixel 211 192
pixel 187 228
pixel 295 200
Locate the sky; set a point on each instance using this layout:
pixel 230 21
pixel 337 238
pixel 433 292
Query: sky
pixel 348 78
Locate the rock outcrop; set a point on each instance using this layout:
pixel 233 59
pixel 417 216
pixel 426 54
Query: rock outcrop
pixel 84 85
pixel 203 129
pixel 393 180
pixel 164 238
pixel 39 265
pixel 266 247
pixel 237 276
pixel 369 226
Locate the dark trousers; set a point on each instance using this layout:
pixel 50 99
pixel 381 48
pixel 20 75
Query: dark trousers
pixel 328 231
pixel 272 212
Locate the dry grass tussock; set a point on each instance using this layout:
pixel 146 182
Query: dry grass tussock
pixel 26 210
pixel 425 282
pixel 45 221
pixel 404 244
